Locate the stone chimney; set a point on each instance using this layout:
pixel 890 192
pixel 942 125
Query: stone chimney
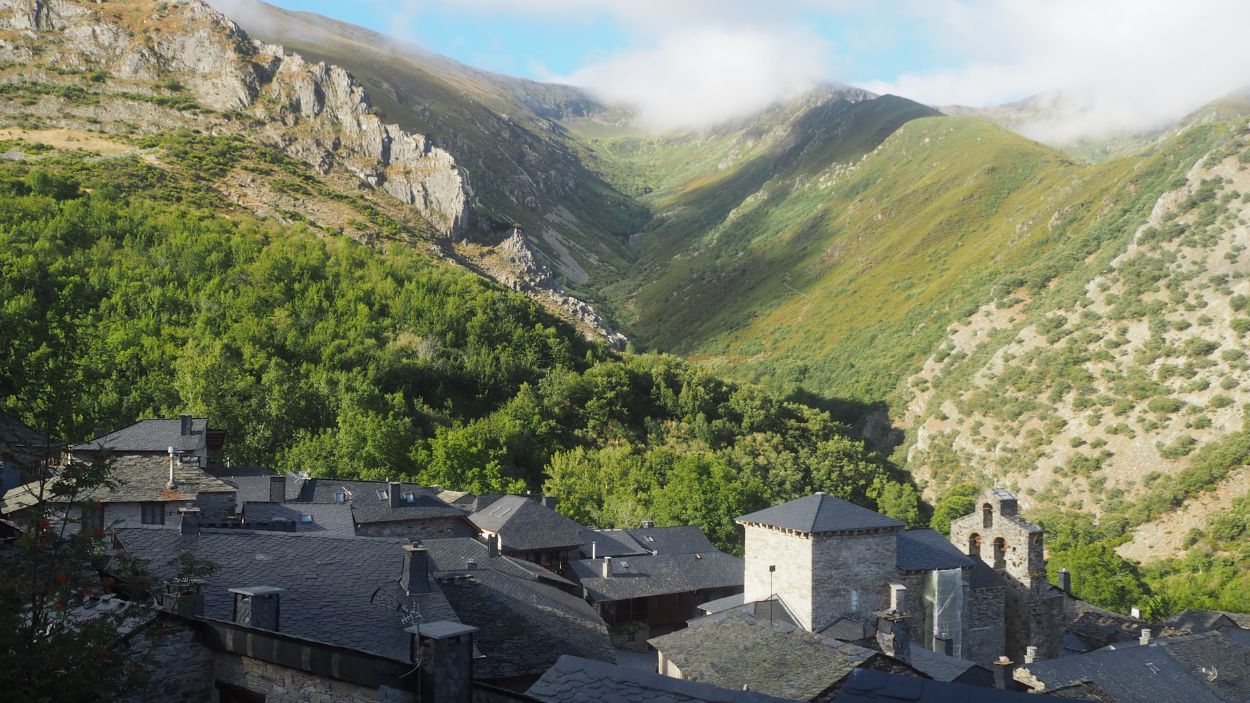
pixel 277 489
pixel 394 490
pixel 1065 580
pixel 943 644
pixel 548 501
pixel 1145 636
pixel 172 484
pixel 647 524
pixel 184 425
pixel 416 576
pixel 892 632
pixel 492 546
pixel 471 565
pixel 257 606
pixel 607 567
pixel 1030 654
pixel 184 597
pixel 1004 671
pixel 188 521
pixel 444 652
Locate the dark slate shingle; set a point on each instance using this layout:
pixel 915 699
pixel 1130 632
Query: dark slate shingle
pixel 928 550
pixel 421 507
pixel 661 574
pixel 150 436
pixel 525 524
pixel 577 680
pixel 139 478
pixel 610 543
pixel 868 686
pixel 328 518
pixel 820 513
pixel 681 539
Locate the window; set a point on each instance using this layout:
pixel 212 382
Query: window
pixel 410 497
pixel 1000 553
pixel 974 545
pixel 382 494
pixel 340 496
pixel 92 518
pixel 152 513
pixel 987 515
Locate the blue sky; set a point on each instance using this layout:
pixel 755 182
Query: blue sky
pixel 1119 64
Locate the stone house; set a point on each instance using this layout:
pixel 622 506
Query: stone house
pixel 390 508
pixel 653 576
pixel 22 452
pixel 188 437
pixel 151 489
pixel 1033 609
pixel 528 527
pixel 834 568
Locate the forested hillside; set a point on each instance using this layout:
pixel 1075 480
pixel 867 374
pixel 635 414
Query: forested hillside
pixel 327 356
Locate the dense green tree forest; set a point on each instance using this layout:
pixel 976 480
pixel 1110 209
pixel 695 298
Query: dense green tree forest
pixel 323 355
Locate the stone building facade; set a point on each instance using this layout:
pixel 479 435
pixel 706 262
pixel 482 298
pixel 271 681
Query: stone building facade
pixel 1013 547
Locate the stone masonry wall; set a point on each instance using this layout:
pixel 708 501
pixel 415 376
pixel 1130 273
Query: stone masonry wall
pixel 792 581
pixel 282 685
pixel 181 669
pixel 853 575
pixel 214 507
pixel 985 615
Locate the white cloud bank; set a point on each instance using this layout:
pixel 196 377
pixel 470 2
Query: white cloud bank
pixel 1116 65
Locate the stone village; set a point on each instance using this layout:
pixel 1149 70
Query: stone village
pixel 345 590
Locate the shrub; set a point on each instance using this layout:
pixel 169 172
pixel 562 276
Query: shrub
pixel 1220 401
pixel 1164 405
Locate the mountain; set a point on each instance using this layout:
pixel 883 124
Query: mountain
pixel 984 306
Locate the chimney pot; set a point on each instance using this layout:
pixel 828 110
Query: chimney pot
pixel 898 597
pixel 1004 669
pixel 185 425
pixel 1145 636
pixel 648 524
pixel 395 492
pixel 607 567
pixel 1030 654
pixel 416 576
pixel 945 645
pixel 1065 580
pixel 492 546
pixel 594 550
pixel 548 501
pixel 1135 612
pixel 184 597
pixel 172 484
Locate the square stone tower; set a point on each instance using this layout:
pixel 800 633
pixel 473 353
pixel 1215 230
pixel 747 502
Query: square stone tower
pixel 1013 547
pixel 823 557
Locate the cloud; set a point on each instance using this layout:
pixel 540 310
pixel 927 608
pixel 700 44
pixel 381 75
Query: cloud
pixel 1110 66
pixel 704 76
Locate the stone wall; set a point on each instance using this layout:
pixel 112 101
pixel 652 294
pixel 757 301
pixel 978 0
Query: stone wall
pixel 433 528
pixel 791 553
pixel 215 508
pixel 283 685
pixel 852 575
pixel 181 669
pixel 986 610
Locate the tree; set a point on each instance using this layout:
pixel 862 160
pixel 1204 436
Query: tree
pixel 957 502
pixel 50 651
pixel 1100 576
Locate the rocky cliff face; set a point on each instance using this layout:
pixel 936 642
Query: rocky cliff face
pixel 314 112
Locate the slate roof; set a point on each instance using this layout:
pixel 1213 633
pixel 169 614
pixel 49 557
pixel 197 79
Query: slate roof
pixel 139 477
pixel 941 667
pixel 1092 627
pixel 322 490
pixel 576 680
pixel 329 518
pixel 1194 621
pixel 421 507
pixel 525 620
pixel 680 539
pixel 777 660
pixel 610 543
pixel 21 443
pixel 1202 668
pixel 722 604
pixel 150 436
pixel 928 550
pixel 820 513
pixel 525 524
pixel 661 574
pixel 867 686
pixel 226 472
pixel 329 581
pixel 984 576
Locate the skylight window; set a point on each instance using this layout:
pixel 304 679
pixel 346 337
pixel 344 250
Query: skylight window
pixel 410 497
pixel 382 494
pixel 650 538
pixel 340 496
pixel 305 518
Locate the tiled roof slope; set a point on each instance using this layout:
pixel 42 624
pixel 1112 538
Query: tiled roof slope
pixel 525 524
pixel 576 680
pixel 20 442
pixel 453 554
pixel 329 581
pixel 928 550
pixel 524 626
pixel 421 507
pixel 150 436
pixel 680 539
pixel 322 490
pixel 329 518
pixel 867 686
pixel 256 488
pixel 738 650
pixel 139 477
pixel 610 543
pixel 1202 668
pixel 820 513
pixel 661 574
